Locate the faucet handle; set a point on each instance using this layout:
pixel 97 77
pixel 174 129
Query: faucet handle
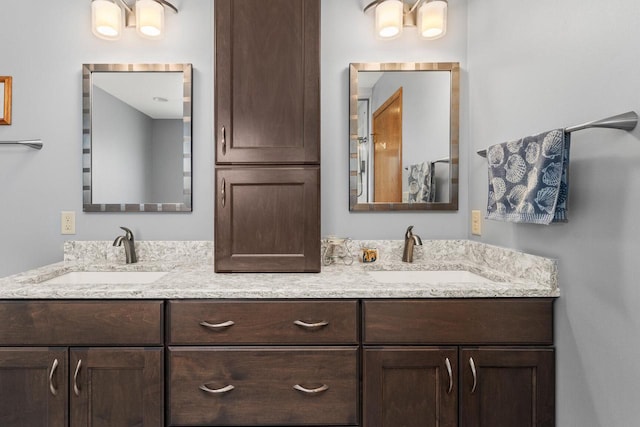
pixel 408 233
pixel 129 234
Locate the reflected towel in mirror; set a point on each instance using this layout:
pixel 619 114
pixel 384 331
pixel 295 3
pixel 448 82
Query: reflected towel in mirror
pixel 421 183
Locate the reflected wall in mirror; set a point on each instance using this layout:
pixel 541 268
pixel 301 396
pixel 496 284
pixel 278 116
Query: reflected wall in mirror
pixel 136 137
pixel 404 133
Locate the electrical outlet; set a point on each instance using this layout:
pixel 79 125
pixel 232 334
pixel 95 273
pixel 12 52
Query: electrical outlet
pixel 67 222
pixel 476 223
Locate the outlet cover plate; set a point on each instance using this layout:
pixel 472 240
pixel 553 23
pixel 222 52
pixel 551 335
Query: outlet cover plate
pixel 67 222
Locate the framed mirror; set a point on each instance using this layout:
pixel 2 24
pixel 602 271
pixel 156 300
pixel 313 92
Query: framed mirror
pixel 136 142
pixel 404 136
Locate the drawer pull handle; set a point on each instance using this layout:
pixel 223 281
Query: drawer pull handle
pixel 320 389
pixel 224 389
pixel 472 364
pixel 223 191
pixel 311 325
pixel 449 371
pixel 52 387
pixel 76 389
pixel 223 139
pixel 222 325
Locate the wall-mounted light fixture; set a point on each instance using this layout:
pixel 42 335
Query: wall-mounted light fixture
pixel 146 15
pixel 430 16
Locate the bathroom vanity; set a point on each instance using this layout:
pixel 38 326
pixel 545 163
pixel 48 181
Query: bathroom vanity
pixel 340 348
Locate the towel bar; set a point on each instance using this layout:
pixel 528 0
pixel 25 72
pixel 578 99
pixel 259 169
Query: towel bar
pixel 33 143
pixel 625 121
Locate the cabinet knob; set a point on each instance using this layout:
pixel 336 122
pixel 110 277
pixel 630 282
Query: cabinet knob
pixel 52 387
pixel 320 389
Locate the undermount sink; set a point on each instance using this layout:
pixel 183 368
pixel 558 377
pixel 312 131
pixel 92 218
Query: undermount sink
pixel 107 277
pixel 427 276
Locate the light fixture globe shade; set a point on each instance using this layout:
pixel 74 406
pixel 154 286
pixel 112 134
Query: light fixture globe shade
pixel 432 19
pixel 149 19
pixel 389 19
pixel 106 19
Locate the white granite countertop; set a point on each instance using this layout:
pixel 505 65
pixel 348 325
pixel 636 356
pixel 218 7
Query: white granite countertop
pixel 191 274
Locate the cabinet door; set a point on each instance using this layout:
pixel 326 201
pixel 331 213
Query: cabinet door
pixel 267 219
pixel 33 387
pixel 507 387
pixel 410 387
pixel 116 387
pixel 267 103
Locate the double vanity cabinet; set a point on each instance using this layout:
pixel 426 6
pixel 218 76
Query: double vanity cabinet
pixel 320 362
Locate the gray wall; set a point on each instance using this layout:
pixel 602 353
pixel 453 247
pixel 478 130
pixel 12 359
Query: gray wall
pixel 165 180
pixel 46 66
pixel 534 66
pixel 120 142
pixel 348 36
pixel 36 186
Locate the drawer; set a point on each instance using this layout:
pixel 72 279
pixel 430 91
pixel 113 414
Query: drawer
pixel 263 322
pixel 81 323
pixel 459 321
pixel 263 386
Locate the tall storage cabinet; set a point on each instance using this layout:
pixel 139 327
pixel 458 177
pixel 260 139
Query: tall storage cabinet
pixel 267 120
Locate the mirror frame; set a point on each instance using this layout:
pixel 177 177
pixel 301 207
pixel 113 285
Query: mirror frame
pixel 454 135
pixel 186 204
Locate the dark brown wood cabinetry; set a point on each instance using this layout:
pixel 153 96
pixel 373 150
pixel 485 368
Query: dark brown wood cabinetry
pixel 267 219
pixel 65 380
pixel 411 387
pixel 372 363
pixel 267 113
pixel 482 386
pixel 33 387
pixel 507 387
pixel 300 367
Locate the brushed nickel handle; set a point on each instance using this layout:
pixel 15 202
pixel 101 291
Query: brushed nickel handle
pixel 472 364
pixel 223 139
pixel 52 387
pixel 311 325
pixel 222 390
pixel 224 192
pixel 320 389
pixel 76 389
pixel 222 325
pixel 449 371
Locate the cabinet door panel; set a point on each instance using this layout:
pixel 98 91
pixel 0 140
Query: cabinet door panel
pixel 252 386
pixel 267 219
pixel 267 81
pixel 410 387
pixel 513 387
pixel 116 387
pixel 31 395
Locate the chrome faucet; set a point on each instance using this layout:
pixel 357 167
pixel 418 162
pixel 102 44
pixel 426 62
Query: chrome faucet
pixel 410 240
pixel 129 245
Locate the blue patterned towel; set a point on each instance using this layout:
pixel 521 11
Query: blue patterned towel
pixel 528 179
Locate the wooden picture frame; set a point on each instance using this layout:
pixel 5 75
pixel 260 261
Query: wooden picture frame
pixel 5 89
